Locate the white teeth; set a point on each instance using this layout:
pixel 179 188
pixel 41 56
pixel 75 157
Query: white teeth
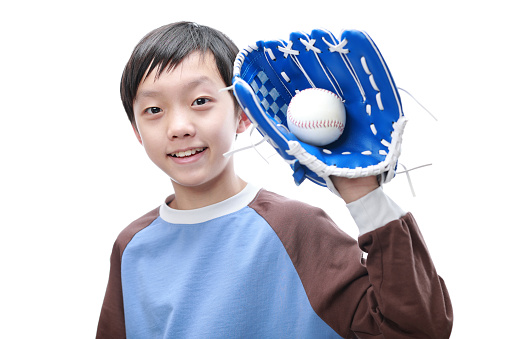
pixel 187 153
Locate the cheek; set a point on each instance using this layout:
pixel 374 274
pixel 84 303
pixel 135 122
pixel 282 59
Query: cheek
pixel 229 130
pixel 223 135
pixel 223 126
pixel 150 140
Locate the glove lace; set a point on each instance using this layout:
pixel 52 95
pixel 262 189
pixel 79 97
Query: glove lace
pixel 253 145
pixel 288 50
pixel 308 160
pixel 337 48
pixel 310 45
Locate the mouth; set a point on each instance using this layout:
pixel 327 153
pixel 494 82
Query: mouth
pixel 187 153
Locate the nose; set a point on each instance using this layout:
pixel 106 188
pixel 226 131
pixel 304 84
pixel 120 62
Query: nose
pixel 180 125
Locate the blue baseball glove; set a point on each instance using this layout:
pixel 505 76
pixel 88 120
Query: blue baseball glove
pixel 268 74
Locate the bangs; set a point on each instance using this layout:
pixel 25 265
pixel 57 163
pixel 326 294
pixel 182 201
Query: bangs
pixel 169 49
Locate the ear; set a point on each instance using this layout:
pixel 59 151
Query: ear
pixel 138 136
pixel 244 123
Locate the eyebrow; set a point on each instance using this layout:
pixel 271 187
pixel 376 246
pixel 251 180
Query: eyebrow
pixel 198 81
pixel 192 84
pixel 147 94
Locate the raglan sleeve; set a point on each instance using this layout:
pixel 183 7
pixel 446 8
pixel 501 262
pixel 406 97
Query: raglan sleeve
pixel 393 293
pixel 406 297
pixel 111 320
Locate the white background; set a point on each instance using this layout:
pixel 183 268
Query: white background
pixel 72 175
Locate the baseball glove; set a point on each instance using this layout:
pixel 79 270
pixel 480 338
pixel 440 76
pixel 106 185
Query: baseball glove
pixel 267 75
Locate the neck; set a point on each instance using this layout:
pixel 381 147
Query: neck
pixel 187 198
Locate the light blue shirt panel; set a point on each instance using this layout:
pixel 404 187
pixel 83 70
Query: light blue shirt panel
pixel 229 277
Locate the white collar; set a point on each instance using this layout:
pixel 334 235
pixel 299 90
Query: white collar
pixel 230 205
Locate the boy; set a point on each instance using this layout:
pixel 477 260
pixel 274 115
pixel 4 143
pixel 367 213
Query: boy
pixel 223 259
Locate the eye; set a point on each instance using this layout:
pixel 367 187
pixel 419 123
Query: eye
pixel 200 101
pixel 153 110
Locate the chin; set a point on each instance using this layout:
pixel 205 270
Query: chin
pixel 190 181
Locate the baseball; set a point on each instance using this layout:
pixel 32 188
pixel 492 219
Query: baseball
pixel 316 116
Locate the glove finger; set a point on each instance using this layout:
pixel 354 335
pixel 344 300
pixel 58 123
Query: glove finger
pixel 371 103
pixel 257 71
pixel 357 135
pixel 311 67
pixel 374 75
pixel 263 121
pixel 281 57
pixel 332 56
pixel 382 98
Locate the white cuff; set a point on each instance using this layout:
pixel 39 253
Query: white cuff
pixel 373 211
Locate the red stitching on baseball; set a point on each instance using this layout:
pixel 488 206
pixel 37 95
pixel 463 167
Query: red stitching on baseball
pixel 317 124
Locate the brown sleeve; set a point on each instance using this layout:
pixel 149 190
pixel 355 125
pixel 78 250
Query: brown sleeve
pixel 111 321
pixel 397 294
pixel 407 297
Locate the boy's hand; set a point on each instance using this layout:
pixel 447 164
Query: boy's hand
pixel 354 189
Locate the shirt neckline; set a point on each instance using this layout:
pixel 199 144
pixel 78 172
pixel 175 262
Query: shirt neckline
pixel 203 214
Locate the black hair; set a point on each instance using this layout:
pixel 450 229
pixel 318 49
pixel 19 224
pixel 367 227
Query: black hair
pixel 166 47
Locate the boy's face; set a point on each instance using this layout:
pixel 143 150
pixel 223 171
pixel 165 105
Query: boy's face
pixel 186 125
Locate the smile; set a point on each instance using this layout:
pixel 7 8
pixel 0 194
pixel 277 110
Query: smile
pixel 187 153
